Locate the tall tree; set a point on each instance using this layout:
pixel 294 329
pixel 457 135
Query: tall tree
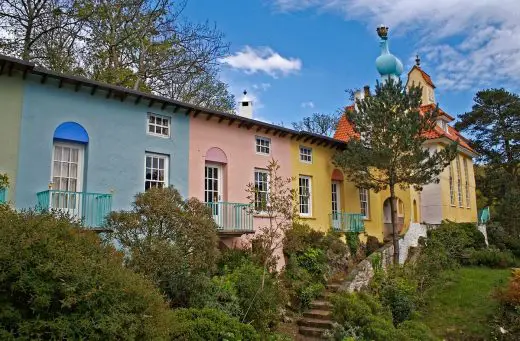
pixel 25 24
pixel 322 124
pixel 494 124
pixel 389 150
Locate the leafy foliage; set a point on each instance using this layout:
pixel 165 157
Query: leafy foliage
pixel 490 257
pixel 494 124
pixel 4 181
pixel 260 296
pixel 312 258
pixel 58 282
pixel 388 150
pixel 209 324
pixel 321 124
pixel 139 44
pixel 171 241
pixel 360 316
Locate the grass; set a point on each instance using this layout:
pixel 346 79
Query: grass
pixel 461 306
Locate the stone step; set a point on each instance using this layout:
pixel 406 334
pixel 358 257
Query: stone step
pixel 321 305
pixel 318 314
pixel 333 287
pixel 315 323
pixel 326 295
pixel 312 332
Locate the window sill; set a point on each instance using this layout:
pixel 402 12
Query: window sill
pixel 157 135
pixel 263 154
pixel 308 217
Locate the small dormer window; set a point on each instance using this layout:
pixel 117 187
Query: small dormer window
pixel 444 125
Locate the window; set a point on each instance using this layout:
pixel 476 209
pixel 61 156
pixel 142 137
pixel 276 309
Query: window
pixel 466 177
pixel 261 190
pixel 158 125
pixel 452 190
pixel 363 201
pixel 459 182
pixel 335 197
pixel 305 154
pixel 263 145
pixel 305 192
pixel 156 172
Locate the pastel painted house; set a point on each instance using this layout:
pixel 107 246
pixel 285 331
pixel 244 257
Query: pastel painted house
pixel 87 148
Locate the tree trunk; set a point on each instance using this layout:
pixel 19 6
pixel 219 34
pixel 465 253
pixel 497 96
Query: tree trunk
pixel 395 232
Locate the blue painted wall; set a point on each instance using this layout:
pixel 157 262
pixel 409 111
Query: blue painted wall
pixel 115 154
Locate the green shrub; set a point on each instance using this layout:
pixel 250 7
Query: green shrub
pixel 508 315
pixel 260 296
pixel 491 257
pixel 59 283
pixel 301 237
pixel 232 258
pixel 353 242
pixel 169 240
pixel 412 330
pixel 399 294
pixel 209 324
pixel 503 237
pixel 314 261
pixel 360 316
pixel 308 293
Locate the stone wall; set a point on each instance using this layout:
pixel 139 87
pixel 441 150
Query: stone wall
pixel 411 239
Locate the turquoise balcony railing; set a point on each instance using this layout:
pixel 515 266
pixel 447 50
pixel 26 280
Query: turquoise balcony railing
pixel 347 222
pixel 484 215
pixel 232 217
pixel 3 195
pixel 89 208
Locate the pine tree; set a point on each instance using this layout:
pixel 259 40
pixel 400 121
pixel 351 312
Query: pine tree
pixel 388 149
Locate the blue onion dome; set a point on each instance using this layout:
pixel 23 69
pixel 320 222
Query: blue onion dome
pixel 388 65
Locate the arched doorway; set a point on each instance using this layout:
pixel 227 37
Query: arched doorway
pixel 387 216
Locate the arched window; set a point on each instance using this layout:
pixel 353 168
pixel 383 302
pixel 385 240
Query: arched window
pixel 69 142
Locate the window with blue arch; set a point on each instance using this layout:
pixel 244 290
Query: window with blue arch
pixel 71 131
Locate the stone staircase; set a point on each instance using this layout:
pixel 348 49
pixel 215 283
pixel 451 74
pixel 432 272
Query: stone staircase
pixel 318 319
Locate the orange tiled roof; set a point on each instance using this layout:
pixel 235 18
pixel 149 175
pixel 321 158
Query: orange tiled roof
pixel 426 107
pixel 345 130
pixel 426 76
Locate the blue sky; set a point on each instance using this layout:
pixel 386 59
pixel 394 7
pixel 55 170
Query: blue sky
pixel 296 57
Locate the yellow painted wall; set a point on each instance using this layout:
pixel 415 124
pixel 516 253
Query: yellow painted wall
pixel 464 213
pixel 11 93
pixel 415 78
pixel 320 171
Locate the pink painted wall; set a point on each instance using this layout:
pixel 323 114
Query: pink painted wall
pixel 239 146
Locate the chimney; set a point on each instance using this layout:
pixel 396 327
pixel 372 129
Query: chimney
pixel 245 106
pixel 366 90
pixel 360 95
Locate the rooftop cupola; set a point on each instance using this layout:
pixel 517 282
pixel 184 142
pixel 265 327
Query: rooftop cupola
pixel 388 65
pixel 245 106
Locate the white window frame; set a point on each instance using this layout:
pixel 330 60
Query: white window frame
pixel 80 164
pixel 166 169
pixel 364 202
pixel 466 175
pixel 256 182
pixel 459 183
pixel 259 145
pixel 155 125
pixel 335 188
pixel 452 185
pixel 306 154
pixel 301 195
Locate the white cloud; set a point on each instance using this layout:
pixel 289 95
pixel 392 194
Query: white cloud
pixel 262 86
pixel 309 104
pixel 262 59
pixel 485 45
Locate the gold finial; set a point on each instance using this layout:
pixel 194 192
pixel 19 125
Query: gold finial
pixel 382 32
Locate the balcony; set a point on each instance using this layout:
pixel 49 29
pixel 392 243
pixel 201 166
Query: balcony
pixel 484 215
pixel 347 222
pixel 233 219
pixel 3 195
pixel 90 209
